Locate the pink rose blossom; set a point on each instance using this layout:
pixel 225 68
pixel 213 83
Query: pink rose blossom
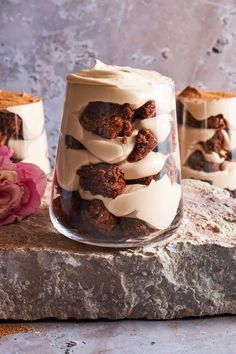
pixel 22 185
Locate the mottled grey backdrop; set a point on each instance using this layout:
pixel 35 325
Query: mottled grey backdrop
pixel 193 41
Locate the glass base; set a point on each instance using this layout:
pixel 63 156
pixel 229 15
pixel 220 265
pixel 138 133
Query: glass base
pixel 154 238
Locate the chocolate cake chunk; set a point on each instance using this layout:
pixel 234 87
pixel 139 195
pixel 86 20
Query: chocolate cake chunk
pixel 102 178
pixel 148 110
pixel 108 120
pixel 95 214
pixel 72 143
pixel 197 162
pixel 10 126
pixel 216 144
pixel 145 142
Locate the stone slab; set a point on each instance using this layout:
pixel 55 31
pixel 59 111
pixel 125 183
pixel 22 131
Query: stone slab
pixel 43 274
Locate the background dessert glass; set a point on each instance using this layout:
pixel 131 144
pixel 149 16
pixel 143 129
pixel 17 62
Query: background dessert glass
pixel 22 128
pixel 207 135
pixel 117 171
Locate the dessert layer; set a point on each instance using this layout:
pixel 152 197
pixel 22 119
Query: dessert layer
pixel 202 109
pixel 138 201
pixel 115 150
pixel 192 136
pixel 68 178
pixel 225 178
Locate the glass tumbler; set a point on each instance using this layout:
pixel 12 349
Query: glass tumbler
pixel 117 170
pixel 207 135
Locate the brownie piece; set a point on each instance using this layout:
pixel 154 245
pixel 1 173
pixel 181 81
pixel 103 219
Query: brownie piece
pixel 145 142
pixel 102 178
pixel 108 120
pixel 197 162
pixel 95 214
pixel 10 126
pixel 148 110
pixel 216 144
pixel 72 143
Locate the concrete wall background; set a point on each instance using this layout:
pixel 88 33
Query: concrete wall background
pixel 193 41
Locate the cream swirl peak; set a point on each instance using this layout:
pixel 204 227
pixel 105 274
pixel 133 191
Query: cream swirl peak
pixel 120 76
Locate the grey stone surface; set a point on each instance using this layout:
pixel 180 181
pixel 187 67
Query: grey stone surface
pixel 43 274
pixel 197 336
pixel 41 41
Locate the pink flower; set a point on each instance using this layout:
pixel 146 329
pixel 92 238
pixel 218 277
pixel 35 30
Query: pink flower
pixel 22 185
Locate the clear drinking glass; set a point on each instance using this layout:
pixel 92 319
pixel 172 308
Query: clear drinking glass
pixel 207 135
pixel 117 170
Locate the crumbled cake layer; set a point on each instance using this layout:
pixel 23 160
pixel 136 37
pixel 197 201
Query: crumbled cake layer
pixel 92 217
pixel 108 120
pixel 103 179
pixel 8 98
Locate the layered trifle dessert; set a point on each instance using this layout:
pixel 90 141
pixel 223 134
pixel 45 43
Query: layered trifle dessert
pixel 22 128
pixel 207 135
pixel 117 174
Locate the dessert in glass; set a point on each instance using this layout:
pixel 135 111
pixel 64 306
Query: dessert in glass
pixel 207 135
pixel 117 170
pixel 22 128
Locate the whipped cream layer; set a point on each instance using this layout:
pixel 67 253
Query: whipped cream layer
pixel 32 151
pixel 113 150
pixel 139 201
pixel 74 159
pixel 110 83
pixel 156 203
pixel 224 179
